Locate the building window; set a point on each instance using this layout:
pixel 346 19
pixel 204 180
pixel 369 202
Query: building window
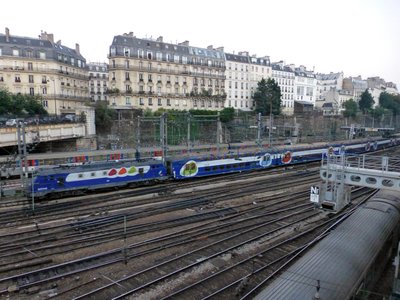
pixel 30 66
pixel 141 101
pixel 42 55
pixel 31 91
pixel 159 56
pixel 176 102
pixel 150 102
pixel 15 52
pixel 45 103
pixel 127 64
pixel 149 55
pixel 128 100
pixel 168 102
pixel 159 102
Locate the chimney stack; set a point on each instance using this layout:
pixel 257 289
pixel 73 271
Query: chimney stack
pixel 59 42
pixel 185 43
pixel 160 39
pixel 210 47
pixel 7 34
pixel 47 36
pixel 220 49
pixel 77 48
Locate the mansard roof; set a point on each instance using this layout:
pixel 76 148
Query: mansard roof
pixel 35 44
pixel 237 58
pixel 278 67
pixel 330 76
pixel 121 42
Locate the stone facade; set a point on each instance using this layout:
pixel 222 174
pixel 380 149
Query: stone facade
pixel 152 74
pixel 98 81
pixel 42 67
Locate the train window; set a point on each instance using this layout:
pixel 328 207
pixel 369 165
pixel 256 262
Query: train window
pixel 141 171
pixel 93 174
pixel 104 172
pixel 51 177
pixel 228 166
pixel 215 168
pixel 241 165
pixel 235 166
pixel 222 167
pixel 80 175
pixel 207 169
pixel 247 164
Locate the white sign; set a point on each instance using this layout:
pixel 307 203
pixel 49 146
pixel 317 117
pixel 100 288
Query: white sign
pixel 314 195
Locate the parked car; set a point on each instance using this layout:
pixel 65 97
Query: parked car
pixel 69 118
pixel 14 122
pixel 11 122
pixel 3 121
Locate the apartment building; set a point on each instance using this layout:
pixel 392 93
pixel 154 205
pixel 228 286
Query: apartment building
pixel 260 67
pixel 42 67
pixel 238 81
pixel 284 76
pixel 152 74
pixel 98 81
pixel 327 82
pixel 305 85
pixel 243 72
pixel 356 86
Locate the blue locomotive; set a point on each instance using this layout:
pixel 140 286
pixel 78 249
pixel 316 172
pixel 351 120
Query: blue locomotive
pixel 76 179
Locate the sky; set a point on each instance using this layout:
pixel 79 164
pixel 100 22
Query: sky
pixel 357 37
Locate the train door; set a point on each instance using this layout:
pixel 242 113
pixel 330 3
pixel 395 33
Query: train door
pixel 61 181
pixel 170 170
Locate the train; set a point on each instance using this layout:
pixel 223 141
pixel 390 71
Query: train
pixel 347 261
pixel 69 180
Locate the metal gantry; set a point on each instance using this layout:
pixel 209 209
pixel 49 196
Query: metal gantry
pixel 340 172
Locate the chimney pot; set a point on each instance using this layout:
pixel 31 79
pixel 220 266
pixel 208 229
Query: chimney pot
pixel 7 34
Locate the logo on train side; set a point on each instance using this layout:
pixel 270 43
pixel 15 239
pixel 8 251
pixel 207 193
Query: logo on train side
pixel 266 160
pixel 286 157
pixel 189 169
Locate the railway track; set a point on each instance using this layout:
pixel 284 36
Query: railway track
pixel 180 241
pixel 101 229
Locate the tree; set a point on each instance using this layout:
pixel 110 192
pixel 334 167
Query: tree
pixel 227 114
pixel 366 101
pixel 378 112
pixel 5 102
pixel 267 95
pixel 104 117
pixel 389 101
pixel 33 106
pixel 350 107
pixel 20 105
